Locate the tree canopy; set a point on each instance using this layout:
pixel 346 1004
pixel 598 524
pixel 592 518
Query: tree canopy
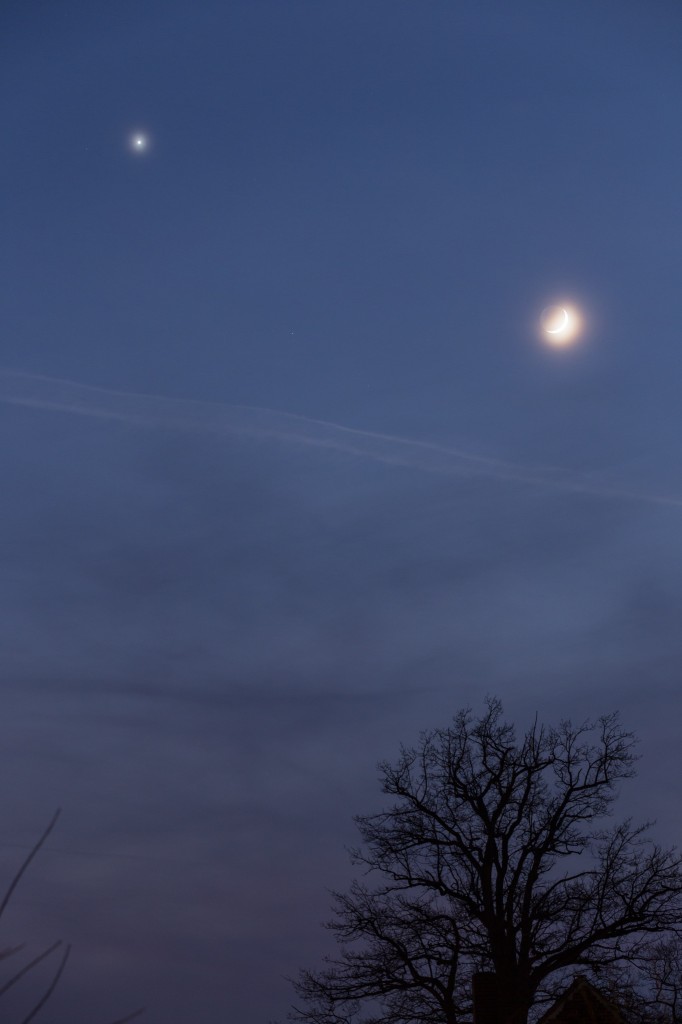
pixel 495 855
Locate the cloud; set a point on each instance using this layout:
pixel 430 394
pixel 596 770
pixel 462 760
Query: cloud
pixel 144 410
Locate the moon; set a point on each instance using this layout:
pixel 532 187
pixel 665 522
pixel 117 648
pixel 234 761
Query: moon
pixel 560 327
pixel 560 324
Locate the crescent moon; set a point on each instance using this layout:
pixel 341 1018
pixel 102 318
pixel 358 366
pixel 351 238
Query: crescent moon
pixel 561 327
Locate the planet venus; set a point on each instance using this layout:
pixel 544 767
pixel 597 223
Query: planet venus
pixel 138 142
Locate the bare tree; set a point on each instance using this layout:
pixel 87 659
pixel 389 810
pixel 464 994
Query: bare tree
pixel 10 951
pixel 494 856
pixel 648 991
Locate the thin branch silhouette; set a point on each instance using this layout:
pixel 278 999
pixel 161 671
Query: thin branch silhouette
pixel 15 880
pixel 24 970
pixel 50 989
pixel 11 950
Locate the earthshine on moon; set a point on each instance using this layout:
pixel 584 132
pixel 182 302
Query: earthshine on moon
pixel 560 324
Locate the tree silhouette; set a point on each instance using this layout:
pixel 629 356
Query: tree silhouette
pixel 650 990
pixel 12 950
pixel 494 857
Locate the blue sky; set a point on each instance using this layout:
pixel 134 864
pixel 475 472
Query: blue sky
pixel 288 474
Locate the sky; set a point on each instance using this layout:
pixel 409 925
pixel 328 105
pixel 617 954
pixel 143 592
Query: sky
pixel 288 471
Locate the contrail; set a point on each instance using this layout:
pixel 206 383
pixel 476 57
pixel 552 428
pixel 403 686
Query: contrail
pixel 53 393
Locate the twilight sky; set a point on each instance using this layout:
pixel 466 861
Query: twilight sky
pixel 287 475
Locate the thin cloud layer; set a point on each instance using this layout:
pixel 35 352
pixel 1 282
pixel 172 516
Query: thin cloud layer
pixel 144 410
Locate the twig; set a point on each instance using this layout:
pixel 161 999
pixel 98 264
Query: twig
pixel 10 951
pixel 28 967
pixel 53 984
pixel 28 860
